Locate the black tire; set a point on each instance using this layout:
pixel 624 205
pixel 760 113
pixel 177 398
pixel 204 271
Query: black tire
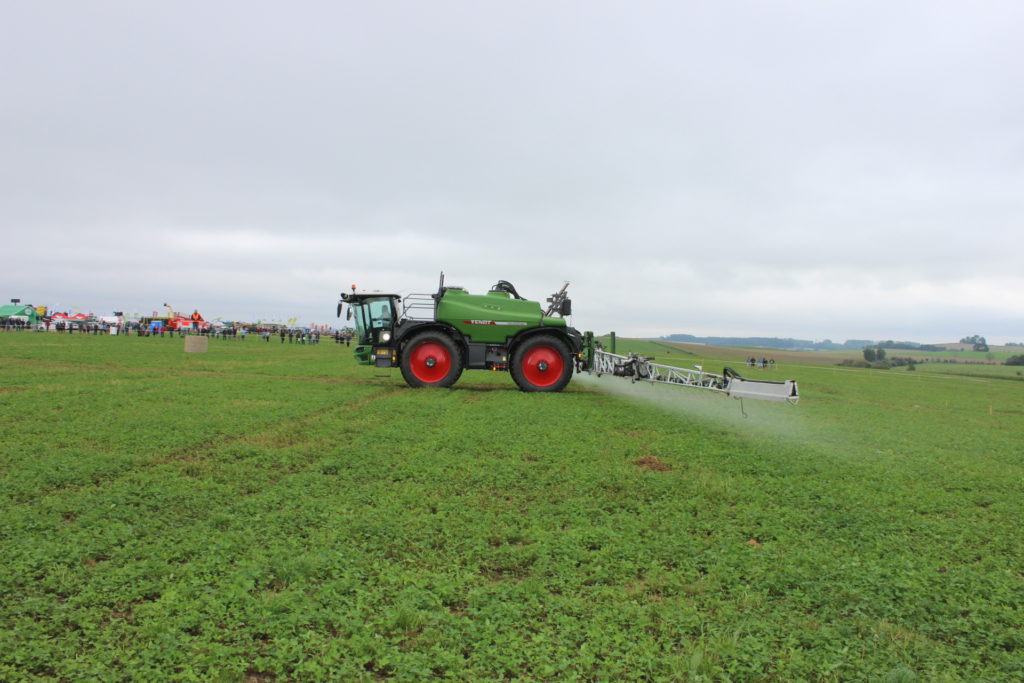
pixel 431 359
pixel 542 363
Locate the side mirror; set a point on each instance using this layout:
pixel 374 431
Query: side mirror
pixel 566 308
pixel 339 309
pixel 348 313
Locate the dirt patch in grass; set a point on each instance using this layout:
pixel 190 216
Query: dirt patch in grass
pixel 652 463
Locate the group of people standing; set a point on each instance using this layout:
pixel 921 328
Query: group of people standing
pixel 291 335
pixel 15 324
pixel 295 336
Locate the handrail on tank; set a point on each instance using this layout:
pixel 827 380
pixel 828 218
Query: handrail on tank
pixel 419 307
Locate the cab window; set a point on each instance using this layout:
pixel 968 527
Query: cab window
pixel 373 316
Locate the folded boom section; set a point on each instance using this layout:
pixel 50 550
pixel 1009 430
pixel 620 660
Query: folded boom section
pixel 641 369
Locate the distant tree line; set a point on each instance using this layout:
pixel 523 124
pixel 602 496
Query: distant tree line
pixel 881 363
pixel 871 354
pixel 908 346
pixel 977 340
pixel 877 359
pixel 787 343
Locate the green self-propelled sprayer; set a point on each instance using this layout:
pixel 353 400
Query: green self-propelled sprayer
pixel 434 337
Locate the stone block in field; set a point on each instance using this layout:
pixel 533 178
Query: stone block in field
pixel 195 344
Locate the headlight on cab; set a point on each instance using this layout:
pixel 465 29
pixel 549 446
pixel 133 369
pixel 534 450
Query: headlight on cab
pixel 385 336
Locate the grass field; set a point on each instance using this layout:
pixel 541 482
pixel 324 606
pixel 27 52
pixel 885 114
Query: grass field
pixel 269 512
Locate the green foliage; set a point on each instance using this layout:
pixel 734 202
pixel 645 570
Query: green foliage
pixel 1015 360
pixel 979 342
pixel 273 512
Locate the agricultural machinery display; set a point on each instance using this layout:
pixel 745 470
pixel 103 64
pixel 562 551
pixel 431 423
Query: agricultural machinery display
pixel 177 321
pixel 432 338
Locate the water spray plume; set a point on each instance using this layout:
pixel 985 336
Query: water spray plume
pixel 765 418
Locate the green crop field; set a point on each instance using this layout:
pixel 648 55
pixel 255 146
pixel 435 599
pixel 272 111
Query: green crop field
pixel 272 512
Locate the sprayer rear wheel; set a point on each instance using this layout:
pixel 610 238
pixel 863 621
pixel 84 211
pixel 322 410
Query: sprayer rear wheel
pixel 542 363
pixel 431 359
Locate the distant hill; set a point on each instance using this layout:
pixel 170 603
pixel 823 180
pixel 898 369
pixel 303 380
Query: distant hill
pixel 769 342
pixel 790 344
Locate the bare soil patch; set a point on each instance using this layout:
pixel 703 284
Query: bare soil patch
pixel 652 463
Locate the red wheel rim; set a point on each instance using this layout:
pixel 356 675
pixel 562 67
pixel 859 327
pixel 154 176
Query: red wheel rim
pixel 542 365
pixel 430 362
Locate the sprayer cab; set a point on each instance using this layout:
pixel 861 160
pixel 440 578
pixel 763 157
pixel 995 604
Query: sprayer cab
pixel 375 317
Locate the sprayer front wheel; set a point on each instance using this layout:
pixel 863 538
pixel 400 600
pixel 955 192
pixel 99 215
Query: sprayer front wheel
pixel 431 359
pixel 542 363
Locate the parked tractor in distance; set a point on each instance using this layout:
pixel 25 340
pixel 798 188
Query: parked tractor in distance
pixel 434 337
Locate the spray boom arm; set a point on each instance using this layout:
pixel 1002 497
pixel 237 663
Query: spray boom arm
pixel 641 369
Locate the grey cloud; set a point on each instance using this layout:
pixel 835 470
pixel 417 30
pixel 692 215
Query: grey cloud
pixel 709 157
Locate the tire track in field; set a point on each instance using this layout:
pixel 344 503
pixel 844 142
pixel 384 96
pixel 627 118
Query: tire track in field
pixel 192 453
pixel 291 425
pixel 190 457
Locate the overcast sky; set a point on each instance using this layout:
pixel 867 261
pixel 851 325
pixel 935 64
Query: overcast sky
pixel 809 169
